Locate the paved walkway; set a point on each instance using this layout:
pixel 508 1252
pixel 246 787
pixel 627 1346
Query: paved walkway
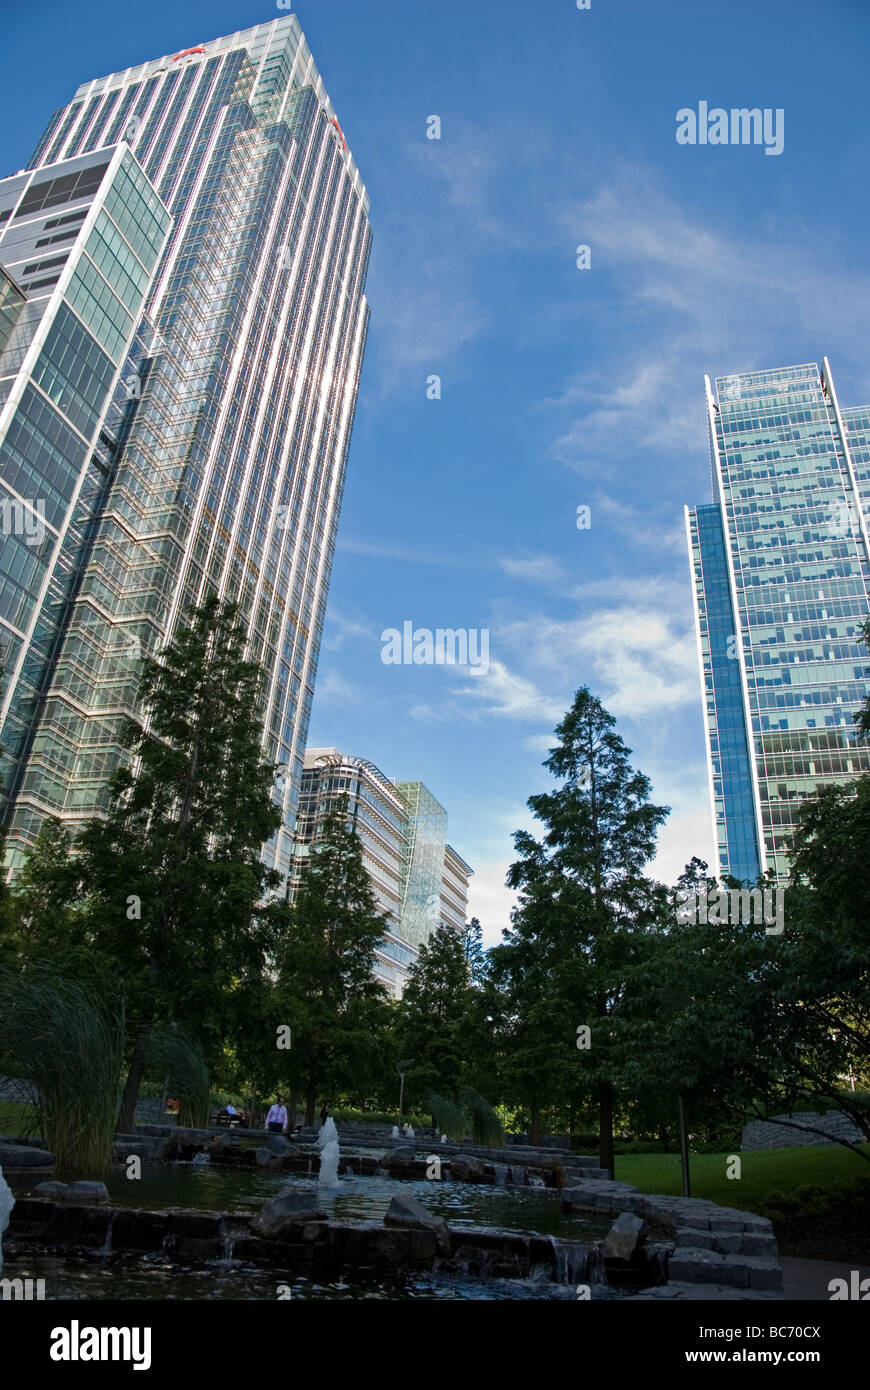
pixel 808 1280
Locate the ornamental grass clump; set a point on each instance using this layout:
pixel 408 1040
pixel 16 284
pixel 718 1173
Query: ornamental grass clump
pixel 66 1039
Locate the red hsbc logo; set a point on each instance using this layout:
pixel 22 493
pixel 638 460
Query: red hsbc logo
pixel 340 131
pixel 200 48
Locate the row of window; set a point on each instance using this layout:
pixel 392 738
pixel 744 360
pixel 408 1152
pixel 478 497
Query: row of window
pixel 66 188
pixel 74 372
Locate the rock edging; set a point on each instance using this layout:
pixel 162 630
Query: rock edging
pixel 730 1253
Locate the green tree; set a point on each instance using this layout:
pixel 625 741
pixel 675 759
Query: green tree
pixel 696 1018
pixel 327 992
pixel 822 984
pixel 178 891
pixel 583 898
pixel 435 1015
pixel 46 900
pixel 475 952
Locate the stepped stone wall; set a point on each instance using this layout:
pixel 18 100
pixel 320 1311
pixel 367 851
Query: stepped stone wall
pixel 770 1134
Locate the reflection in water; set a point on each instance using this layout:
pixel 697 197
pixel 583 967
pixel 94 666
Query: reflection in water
pixel 211 1188
pixel 153 1278
pixel 208 1187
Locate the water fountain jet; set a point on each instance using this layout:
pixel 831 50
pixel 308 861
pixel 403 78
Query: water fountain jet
pixel 327 1143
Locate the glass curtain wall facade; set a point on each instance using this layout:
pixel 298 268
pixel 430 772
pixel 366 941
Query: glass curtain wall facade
pixel 418 879
pixel 228 458
pixel 423 869
pixel 781 578
pixel 80 244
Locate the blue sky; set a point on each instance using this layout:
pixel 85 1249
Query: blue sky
pixel 560 387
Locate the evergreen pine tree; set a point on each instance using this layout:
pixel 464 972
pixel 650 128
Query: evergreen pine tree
pixel 582 893
pixel 435 1015
pixel 333 1003
pixel 174 870
pixel 475 953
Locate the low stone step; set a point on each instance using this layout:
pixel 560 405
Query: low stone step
pixel 577 1175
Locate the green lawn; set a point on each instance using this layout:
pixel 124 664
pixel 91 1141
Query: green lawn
pixel 761 1173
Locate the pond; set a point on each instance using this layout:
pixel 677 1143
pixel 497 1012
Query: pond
pixel 119 1274
pixel 68 1277
pixel 462 1205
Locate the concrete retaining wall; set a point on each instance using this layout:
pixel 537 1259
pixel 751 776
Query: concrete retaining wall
pixel 769 1134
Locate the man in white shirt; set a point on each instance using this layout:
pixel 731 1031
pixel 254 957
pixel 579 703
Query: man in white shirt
pixel 276 1120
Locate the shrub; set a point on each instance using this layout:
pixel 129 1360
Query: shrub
pixel 67 1038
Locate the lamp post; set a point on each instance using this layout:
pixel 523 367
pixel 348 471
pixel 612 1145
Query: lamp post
pixel 677 999
pixel 684 1147
pixel 401 1068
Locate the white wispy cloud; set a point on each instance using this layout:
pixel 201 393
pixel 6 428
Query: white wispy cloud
pixel 339 629
pixel 695 296
pixel 632 643
pixel 491 694
pixel 334 689
pixel 505 694
pixel 538 569
pixel 635 657
pixel 490 901
pixel 649 528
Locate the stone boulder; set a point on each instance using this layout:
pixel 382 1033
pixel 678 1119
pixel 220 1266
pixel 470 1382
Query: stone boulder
pixel 278 1144
pixel 227 1139
pixel 84 1193
pixel 55 1190
pixel 285 1212
pixel 624 1238
pixel 410 1214
pixel 267 1158
pixel 126 1148
pixel 151 1148
pixel 467 1168
pixel 402 1152
pixel 24 1156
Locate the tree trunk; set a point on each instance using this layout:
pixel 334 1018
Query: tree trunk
pixel 535 1136
pixel 663 1138
pixel 605 1127
pixel 134 1076
pixel 310 1102
pixel 137 1065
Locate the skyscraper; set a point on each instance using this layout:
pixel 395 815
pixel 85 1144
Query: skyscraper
pixel 228 341
pixel 419 880
pixel 781 574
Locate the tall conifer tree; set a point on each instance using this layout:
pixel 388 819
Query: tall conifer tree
pixel 582 895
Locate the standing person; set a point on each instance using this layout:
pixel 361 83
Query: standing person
pixel 276 1120
pixel 324 1114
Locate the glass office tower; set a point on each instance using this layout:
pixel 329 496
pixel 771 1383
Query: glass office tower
pixel 781 575
pixel 419 880
pixel 80 243
pixel 223 454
